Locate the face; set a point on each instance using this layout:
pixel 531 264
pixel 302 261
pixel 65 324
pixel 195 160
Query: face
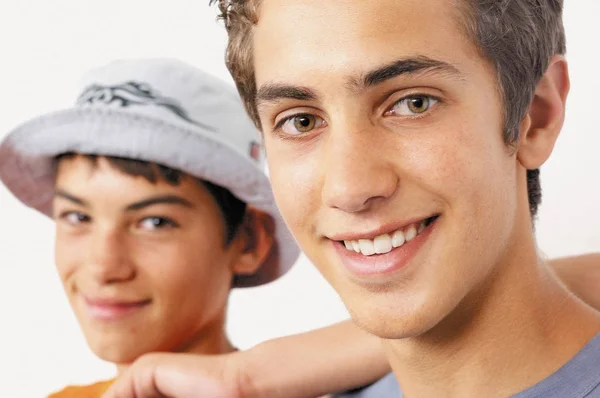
pixel 383 129
pixel 144 265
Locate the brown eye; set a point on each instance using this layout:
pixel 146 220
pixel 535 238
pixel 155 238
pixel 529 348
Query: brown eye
pixel 301 124
pixel 304 123
pixel 154 223
pixel 75 218
pixel 413 105
pixel 418 104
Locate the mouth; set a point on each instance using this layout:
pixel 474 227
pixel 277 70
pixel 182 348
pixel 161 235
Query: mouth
pixel 107 310
pixel 387 242
pixel 384 252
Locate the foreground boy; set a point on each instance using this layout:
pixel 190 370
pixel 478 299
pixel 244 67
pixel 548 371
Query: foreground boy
pixel 413 132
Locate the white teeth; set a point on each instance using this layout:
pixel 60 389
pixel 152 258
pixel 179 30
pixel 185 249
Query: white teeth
pixel 383 244
pixel 398 238
pixel 367 247
pixel 410 233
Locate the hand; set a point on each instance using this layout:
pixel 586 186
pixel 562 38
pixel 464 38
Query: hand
pixel 183 376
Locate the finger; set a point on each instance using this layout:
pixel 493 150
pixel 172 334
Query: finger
pixel 181 381
pixel 137 382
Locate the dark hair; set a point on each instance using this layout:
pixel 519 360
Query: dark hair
pixel 232 209
pixel 518 37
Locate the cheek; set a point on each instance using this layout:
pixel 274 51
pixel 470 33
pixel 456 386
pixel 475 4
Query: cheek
pixel 462 161
pixel 296 179
pixel 185 276
pixel 69 254
pixel 472 174
pixel 482 174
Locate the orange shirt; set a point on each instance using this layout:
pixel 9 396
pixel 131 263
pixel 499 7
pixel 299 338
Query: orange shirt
pixel 92 391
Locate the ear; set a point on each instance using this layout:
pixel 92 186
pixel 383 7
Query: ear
pixel 544 120
pixel 257 237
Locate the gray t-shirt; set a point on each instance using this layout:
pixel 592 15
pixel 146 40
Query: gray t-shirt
pixel 578 378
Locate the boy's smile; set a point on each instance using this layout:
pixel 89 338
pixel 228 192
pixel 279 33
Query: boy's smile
pixel 112 309
pixel 383 251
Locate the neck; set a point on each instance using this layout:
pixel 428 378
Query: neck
pixel 513 332
pixel 211 339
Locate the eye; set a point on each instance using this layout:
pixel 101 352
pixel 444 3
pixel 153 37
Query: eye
pixel 154 223
pixel 413 105
pixel 75 217
pixel 300 124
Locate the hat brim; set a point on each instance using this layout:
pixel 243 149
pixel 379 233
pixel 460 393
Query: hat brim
pixel 27 164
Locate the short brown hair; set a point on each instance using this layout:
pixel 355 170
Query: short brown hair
pixel 232 209
pixel 518 37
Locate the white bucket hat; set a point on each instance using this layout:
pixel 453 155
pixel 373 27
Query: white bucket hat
pixel 157 110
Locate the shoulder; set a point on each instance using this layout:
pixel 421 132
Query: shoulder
pixel 90 391
pixel 386 387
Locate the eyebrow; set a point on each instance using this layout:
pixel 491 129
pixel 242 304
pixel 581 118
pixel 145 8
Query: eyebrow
pixel 403 66
pixel 59 193
pixel 156 200
pixel 273 92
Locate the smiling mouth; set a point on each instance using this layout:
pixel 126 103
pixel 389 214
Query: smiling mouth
pixel 108 310
pixel 387 242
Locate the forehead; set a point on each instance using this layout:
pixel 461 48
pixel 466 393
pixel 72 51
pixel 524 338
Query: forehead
pixel 339 37
pixel 84 176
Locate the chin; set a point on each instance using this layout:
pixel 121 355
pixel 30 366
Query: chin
pixel 118 352
pixel 391 327
pixel 400 317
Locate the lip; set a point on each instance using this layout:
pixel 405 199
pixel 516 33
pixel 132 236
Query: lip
pixel 385 229
pixel 108 309
pixel 362 266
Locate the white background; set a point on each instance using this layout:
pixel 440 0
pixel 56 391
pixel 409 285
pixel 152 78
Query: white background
pixel 45 46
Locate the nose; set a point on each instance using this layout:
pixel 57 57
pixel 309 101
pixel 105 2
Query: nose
pixel 357 174
pixel 107 259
